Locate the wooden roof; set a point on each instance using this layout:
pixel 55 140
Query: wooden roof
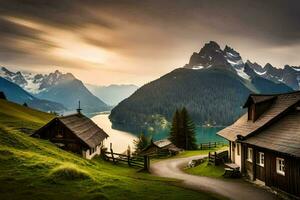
pixel 245 127
pixel 283 136
pixel 164 144
pixel 258 98
pixel 83 127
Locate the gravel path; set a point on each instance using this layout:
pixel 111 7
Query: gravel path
pixel 233 189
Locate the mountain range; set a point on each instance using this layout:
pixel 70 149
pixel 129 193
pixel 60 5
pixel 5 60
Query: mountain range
pixel 213 86
pixel 18 95
pixel 112 94
pixel 57 87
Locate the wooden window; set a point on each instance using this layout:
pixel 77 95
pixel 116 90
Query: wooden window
pixel 250 154
pixel 261 159
pixel 92 150
pixel 238 146
pixel 280 166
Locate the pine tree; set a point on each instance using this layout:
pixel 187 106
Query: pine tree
pixel 188 131
pixel 141 143
pixel 174 132
pixel 183 132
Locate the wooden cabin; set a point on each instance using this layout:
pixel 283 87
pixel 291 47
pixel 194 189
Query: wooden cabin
pixel 76 133
pixel 265 142
pixel 161 147
pixel 2 95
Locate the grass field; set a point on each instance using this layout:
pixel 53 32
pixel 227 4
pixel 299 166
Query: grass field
pixel 36 169
pixel 205 169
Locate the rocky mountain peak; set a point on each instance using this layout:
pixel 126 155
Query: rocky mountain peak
pixel 210 47
pixel 233 57
pixel 255 66
pixel 210 55
pixel 268 66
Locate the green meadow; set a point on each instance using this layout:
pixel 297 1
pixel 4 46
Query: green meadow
pixel 32 169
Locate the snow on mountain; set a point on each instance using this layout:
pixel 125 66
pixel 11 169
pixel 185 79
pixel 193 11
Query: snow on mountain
pixel 289 75
pixel 211 55
pixel 198 67
pixel 242 74
pixel 260 73
pixel 233 58
pixel 35 83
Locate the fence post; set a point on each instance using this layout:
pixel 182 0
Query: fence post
pixel 146 163
pixel 209 145
pixel 128 159
pixel 112 153
pixel 208 155
pixel 128 156
pixel 201 146
pixel 215 144
pixel 215 158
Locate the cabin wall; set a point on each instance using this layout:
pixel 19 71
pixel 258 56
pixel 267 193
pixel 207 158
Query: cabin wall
pixel 87 153
pixel 231 151
pixel 289 182
pixel 62 137
pixel 236 153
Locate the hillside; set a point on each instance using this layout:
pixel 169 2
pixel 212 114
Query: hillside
pixel 33 169
pixel 69 92
pixel 18 95
pixel 213 87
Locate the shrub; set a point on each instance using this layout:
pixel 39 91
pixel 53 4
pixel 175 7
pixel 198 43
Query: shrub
pixel 69 172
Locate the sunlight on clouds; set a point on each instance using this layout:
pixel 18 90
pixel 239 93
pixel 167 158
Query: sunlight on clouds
pixel 83 52
pixel 23 22
pixel 68 45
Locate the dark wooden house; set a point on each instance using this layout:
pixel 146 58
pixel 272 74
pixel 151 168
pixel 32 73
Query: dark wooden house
pixel 2 95
pixel 161 147
pixel 76 133
pixel 265 142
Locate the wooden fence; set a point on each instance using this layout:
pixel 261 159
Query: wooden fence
pixel 133 161
pixel 217 158
pixel 211 145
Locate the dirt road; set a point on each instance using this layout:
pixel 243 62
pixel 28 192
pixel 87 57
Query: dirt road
pixel 233 189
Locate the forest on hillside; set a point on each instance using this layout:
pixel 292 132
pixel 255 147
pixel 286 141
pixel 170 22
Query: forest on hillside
pixel 208 95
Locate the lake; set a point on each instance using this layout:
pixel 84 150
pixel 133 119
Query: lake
pixel 122 139
pixel 119 139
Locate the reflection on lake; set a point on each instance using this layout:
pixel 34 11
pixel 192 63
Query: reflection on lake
pixel 119 139
pixel 203 134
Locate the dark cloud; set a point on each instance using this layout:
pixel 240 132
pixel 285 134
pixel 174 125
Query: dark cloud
pixel 62 13
pixel 152 33
pixel 273 20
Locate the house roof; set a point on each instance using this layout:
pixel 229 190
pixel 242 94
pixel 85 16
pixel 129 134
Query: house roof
pixel 245 127
pixel 283 136
pixel 83 127
pixel 162 143
pixel 258 98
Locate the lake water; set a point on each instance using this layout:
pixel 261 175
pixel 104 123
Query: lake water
pixel 203 134
pixel 121 139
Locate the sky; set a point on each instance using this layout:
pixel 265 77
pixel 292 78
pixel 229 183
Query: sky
pixel 106 42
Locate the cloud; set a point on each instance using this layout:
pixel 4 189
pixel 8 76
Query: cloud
pixel 131 37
